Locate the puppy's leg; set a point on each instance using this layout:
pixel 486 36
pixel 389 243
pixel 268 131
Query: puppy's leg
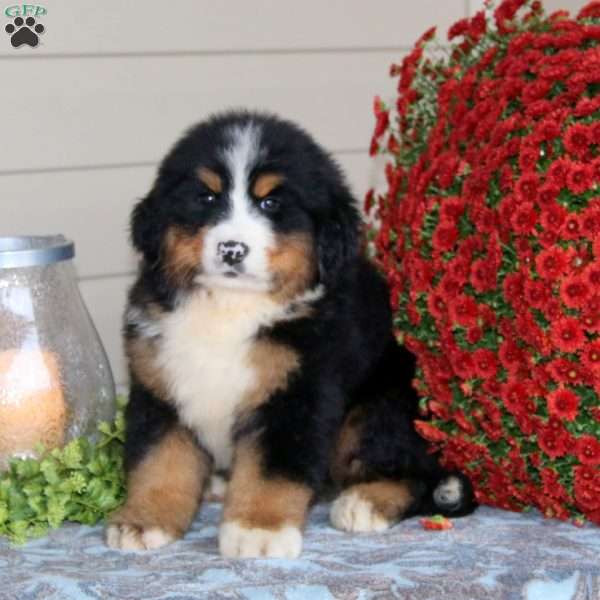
pixel 164 492
pixel 263 514
pixel 166 473
pixel 372 506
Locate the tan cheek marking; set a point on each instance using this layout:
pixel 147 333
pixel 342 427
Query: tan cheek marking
pixel 164 490
pixel 183 253
pixel 211 180
pixel 345 466
pixel 254 501
pixel 266 183
pixel 293 265
pixel 390 499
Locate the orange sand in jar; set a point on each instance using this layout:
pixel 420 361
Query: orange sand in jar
pixel 32 404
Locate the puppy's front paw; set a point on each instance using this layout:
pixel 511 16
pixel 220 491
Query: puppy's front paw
pixel 123 536
pixel 350 512
pixel 237 541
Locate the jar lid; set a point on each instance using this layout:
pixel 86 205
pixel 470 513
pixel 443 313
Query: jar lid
pixel 34 250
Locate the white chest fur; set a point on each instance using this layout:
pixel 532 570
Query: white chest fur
pixel 204 354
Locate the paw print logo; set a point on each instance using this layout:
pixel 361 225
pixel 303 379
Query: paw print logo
pixel 24 32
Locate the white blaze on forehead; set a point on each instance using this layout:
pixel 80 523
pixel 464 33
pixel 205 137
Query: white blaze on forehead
pixel 243 222
pixel 241 155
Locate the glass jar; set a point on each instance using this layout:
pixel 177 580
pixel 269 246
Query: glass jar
pixel 55 379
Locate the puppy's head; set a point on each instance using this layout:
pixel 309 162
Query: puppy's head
pixel 250 202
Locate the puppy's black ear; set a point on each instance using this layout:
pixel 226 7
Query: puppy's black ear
pixel 147 227
pixel 338 235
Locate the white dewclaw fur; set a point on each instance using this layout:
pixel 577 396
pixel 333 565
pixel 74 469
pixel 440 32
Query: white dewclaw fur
pixel 243 224
pixel 350 512
pixel 204 354
pixel 124 537
pixel 237 541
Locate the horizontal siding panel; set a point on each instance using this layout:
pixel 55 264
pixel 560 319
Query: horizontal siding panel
pixel 107 111
pixel 118 26
pixel 92 207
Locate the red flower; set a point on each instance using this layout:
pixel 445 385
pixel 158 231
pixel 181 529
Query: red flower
pixel 552 443
pixel 547 194
pixel 589 11
pixel 524 219
pixel 577 140
pixel 537 293
pixel 527 187
pixel 452 209
pixel 474 335
pixel 463 364
pixel 510 355
pixel 528 159
pixel 563 403
pixel 381 116
pixel 590 222
pixel 567 334
pixel 553 217
pixel 575 291
pixel 566 371
pixel 463 311
pixel 547 129
pixel 590 357
pixel 587 487
pixel 463 422
pixel 553 309
pixel 436 304
pixel 515 395
pixel 591 274
pixel 513 287
pixel 486 363
pixel 444 237
pixel 483 275
pixel 459 28
pixel 557 173
pixel 571 229
pixel 580 178
pixel 429 432
pixel 551 263
pixel 588 450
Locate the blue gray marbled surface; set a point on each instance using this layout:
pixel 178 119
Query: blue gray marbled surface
pixel 491 555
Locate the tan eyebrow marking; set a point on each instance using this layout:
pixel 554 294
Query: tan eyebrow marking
pixel 211 180
pixel 266 183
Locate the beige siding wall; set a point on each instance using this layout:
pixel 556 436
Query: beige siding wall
pixel 88 113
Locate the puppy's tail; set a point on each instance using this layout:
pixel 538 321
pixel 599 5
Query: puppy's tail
pixel 452 496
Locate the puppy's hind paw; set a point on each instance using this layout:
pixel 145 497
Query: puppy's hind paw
pixel 351 512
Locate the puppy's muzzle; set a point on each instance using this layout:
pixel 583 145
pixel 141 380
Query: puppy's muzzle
pixel 232 253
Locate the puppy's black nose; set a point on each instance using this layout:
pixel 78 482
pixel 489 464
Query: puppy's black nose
pixel 232 253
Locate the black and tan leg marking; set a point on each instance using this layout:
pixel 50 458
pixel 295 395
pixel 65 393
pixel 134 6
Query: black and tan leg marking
pixel 263 516
pixel 347 465
pixel 163 494
pixel 367 502
pixel 372 506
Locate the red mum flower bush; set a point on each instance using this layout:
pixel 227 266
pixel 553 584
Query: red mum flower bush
pixel 489 233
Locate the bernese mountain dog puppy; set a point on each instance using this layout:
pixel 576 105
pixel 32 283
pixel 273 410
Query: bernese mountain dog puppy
pixel 260 346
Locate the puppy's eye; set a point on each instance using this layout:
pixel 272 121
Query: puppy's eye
pixel 208 198
pixel 269 204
